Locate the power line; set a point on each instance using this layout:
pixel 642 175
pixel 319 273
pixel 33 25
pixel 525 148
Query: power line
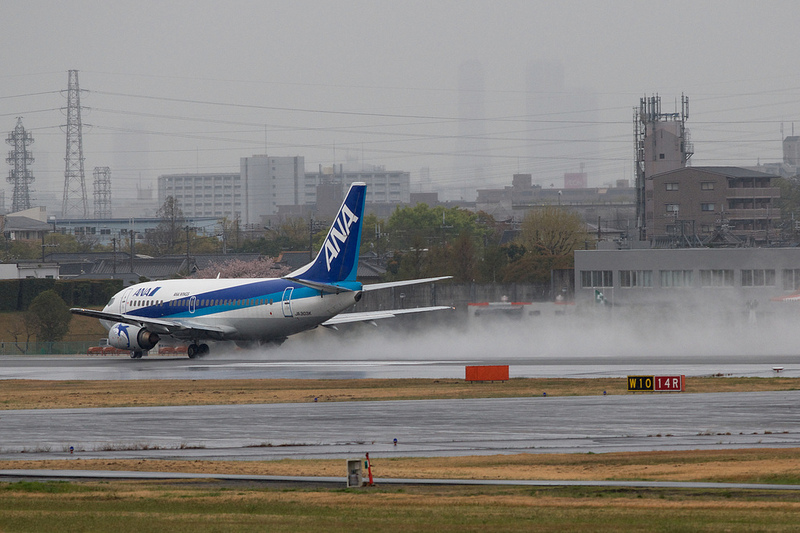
pixel 28 94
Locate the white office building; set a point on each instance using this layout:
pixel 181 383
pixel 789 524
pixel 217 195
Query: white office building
pixel 266 183
pixel 204 195
pixel 383 186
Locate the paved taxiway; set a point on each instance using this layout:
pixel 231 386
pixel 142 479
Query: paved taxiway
pixel 331 481
pixel 423 428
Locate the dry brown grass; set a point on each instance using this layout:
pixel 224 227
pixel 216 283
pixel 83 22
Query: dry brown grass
pixel 36 394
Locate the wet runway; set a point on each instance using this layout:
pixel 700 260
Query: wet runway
pixel 579 348
pixel 264 367
pixel 422 428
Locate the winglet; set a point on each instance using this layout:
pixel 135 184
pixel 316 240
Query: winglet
pixel 337 260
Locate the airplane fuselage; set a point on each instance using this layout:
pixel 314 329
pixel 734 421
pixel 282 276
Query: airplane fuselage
pixel 240 309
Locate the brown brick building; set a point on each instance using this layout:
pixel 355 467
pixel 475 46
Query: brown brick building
pixel 699 201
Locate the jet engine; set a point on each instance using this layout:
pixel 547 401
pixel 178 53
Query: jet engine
pixel 130 337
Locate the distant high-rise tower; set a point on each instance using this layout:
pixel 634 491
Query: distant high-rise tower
pixel 661 144
pixel 546 101
pixel 74 203
pixel 472 146
pixel 20 158
pixel 791 150
pixel 102 192
pixel 562 125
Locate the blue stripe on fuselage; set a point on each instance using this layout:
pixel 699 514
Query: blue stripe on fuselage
pixel 260 291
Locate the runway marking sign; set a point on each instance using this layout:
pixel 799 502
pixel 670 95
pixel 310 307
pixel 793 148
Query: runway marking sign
pixel 640 383
pixel 669 383
pixel 656 383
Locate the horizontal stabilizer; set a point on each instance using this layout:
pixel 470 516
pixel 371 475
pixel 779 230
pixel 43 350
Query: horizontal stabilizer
pixel 369 316
pixel 390 284
pixel 317 285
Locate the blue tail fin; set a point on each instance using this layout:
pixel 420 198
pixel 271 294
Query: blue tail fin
pixel 338 258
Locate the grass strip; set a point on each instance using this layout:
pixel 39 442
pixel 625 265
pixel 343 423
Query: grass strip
pixel 212 506
pixel 42 394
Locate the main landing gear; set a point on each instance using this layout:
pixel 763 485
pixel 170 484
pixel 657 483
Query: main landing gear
pixel 136 354
pixel 197 350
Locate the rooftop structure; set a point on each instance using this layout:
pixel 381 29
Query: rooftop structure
pixel 661 144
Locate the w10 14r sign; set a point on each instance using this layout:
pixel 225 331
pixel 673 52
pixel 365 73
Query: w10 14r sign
pixel 656 383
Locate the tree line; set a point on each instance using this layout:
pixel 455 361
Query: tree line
pixel 415 241
pixel 424 241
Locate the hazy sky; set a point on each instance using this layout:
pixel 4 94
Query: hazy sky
pixel 193 86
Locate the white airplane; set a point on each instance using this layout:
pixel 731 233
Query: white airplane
pixel 252 311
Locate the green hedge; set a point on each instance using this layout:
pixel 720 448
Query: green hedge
pixel 9 294
pixel 17 294
pixel 30 288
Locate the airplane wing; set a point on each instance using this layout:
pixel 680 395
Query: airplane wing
pixel 156 325
pixel 369 316
pixel 390 284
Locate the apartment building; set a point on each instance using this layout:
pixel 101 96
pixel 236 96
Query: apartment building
pixel 697 201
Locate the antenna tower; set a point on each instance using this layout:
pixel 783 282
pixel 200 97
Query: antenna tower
pixel 661 143
pixel 102 192
pixel 20 158
pixel 74 203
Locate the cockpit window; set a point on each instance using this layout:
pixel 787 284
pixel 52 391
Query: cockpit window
pixel 111 301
